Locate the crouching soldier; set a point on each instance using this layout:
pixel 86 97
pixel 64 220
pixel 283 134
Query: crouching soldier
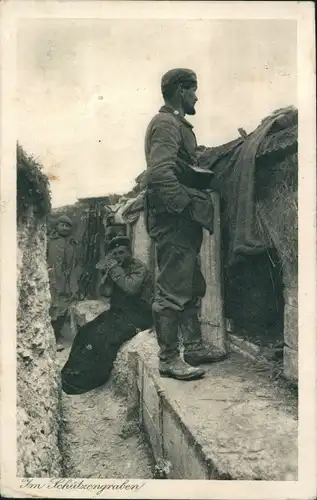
pixel 177 209
pixel 128 283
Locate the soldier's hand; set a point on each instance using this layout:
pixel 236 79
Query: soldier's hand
pixel 107 262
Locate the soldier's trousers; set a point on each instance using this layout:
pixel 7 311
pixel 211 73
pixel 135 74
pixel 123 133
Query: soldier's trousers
pixel 179 283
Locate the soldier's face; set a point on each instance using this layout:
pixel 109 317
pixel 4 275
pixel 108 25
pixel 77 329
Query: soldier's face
pixel 64 229
pixel 121 255
pixel 189 99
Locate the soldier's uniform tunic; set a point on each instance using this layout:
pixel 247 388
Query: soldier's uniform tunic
pixel 170 148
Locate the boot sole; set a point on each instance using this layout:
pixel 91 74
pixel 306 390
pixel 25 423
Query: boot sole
pixel 204 362
pixel 180 377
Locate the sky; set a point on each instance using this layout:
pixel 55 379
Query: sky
pixel 88 88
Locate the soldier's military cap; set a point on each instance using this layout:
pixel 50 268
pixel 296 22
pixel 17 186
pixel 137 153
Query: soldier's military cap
pixel 65 219
pixel 119 241
pixel 177 76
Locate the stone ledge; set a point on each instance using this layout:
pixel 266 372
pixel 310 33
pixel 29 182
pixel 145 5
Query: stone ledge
pixel 233 424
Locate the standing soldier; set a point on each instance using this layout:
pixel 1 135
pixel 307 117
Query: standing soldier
pixel 62 265
pixel 177 209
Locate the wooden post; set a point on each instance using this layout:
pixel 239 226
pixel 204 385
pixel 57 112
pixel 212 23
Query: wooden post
pixel 101 256
pixel 290 360
pixel 212 314
pixel 141 243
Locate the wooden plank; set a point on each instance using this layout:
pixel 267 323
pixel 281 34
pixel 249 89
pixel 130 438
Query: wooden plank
pixel 244 347
pixel 141 243
pixel 212 315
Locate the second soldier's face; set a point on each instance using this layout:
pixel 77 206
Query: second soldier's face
pixel 64 229
pixel 189 100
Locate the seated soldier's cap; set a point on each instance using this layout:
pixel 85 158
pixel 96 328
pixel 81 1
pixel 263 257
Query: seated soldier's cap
pixel 119 241
pixel 177 76
pixel 65 219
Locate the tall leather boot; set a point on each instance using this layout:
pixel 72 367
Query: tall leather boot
pixel 195 352
pixel 170 363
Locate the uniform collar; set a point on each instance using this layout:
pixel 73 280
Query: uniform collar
pixel 168 109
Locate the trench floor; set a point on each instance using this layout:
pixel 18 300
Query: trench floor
pixel 97 440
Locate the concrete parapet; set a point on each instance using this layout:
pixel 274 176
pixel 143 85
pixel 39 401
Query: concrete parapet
pixel 235 423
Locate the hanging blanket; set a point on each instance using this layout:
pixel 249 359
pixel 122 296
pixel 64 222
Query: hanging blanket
pixel 234 166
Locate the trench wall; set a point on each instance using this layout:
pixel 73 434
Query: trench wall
pixel 38 382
